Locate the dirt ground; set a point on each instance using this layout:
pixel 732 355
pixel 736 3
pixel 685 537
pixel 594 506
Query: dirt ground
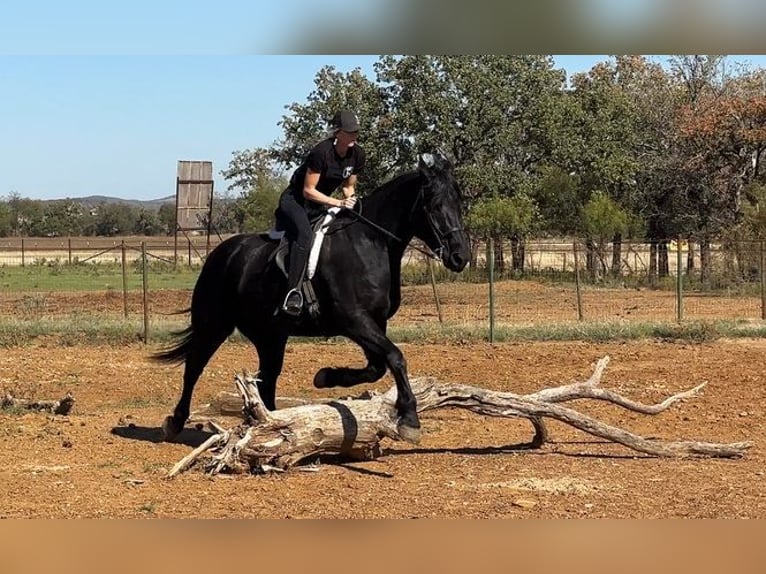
pixel 93 464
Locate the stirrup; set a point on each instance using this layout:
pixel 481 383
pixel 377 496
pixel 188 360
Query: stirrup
pixel 293 304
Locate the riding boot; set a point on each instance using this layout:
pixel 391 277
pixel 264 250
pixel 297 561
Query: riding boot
pixel 293 304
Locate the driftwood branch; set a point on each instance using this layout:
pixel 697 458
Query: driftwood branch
pixel 59 407
pixel 276 440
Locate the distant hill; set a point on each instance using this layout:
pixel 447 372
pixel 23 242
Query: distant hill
pixel 94 200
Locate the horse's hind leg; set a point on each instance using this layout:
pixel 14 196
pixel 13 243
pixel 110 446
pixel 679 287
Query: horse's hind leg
pixel 202 349
pixel 329 377
pixel 271 354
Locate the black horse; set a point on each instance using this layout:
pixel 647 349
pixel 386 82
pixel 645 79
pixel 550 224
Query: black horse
pixel 357 284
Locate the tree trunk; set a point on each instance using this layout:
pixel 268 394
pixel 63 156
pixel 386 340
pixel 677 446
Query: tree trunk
pixel 591 260
pixel 653 262
pixel 705 261
pixel 617 255
pixel 499 255
pixel 475 247
pixel 690 266
pixel 662 258
pixel 276 440
pixel 518 253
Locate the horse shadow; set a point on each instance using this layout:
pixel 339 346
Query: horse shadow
pixel 191 437
pixel 527 448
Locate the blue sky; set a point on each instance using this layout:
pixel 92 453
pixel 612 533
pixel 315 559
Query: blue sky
pixel 78 125
pixel 172 27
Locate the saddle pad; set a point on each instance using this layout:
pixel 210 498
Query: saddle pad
pixel 318 237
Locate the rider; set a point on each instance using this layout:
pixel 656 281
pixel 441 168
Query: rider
pixel 333 162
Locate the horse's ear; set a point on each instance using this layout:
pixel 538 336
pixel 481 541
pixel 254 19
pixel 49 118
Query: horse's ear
pixel 444 161
pixel 426 160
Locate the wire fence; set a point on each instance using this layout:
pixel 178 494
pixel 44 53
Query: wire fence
pixel 41 251
pixel 148 279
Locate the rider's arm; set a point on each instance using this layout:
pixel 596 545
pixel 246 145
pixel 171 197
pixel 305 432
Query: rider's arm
pixel 311 192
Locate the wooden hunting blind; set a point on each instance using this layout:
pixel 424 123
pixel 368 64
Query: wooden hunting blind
pixel 194 201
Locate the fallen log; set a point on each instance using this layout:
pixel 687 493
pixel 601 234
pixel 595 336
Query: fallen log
pixel 277 440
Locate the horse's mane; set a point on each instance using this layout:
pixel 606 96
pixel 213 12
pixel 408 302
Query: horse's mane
pixel 386 190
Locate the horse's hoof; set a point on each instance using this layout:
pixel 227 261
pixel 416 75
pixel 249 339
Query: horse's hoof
pixel 169 429
pixel 408 433
pixel 320 379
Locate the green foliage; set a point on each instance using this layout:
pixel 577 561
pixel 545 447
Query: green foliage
pixel 255 174
pixel 502 216
pixel 307 123
pixel 5 220
pixel 603 218
pixel 754 212
pixel 560 198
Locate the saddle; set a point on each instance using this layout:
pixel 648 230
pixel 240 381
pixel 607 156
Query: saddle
pixel 320 225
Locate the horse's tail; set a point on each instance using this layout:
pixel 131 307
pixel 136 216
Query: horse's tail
pixel 177 353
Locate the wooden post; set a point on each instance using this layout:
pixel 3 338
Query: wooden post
pixel 578 293
pixel 491 267
pixel 145 277
pixel 763 281
pixel 679 283
pixel 176 226
pixel 124 282
pixel 433 286
pixel 23 262
pixel 69 250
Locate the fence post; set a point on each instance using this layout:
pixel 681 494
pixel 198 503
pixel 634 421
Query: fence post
pixel 679 283
pixel 69 250
pixel 578 293
pixel 433 286
pixel 124 282
pixel 491 267
pixel 23 262
pixel 189 246
pixel 145 281
pixel 763 281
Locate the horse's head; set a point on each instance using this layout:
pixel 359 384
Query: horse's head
pixel 442 223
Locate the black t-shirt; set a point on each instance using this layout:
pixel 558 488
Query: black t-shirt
pixel 332 168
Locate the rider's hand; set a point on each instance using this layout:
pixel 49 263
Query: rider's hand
pixel 348 202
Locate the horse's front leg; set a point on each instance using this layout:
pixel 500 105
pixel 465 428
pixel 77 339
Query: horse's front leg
pixel 380 350
pixel 330 377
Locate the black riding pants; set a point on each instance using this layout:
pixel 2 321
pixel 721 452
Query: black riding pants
pixel 295 220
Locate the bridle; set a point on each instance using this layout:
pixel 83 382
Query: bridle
pixel 440 237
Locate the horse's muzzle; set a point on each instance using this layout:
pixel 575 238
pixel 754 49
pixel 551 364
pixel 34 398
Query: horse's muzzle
pixel 456 261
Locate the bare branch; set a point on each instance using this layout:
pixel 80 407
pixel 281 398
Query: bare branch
pixel 354 427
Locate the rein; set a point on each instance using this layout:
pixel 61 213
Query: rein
pixel 386 232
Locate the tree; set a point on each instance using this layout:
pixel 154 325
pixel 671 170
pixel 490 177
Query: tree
pixel 721 143
pixel 498 217
pixel 148 223
pixel 603 219
pixel 255 174
pixel 226 214
pixel 113 219
pixel 166 215
pixel 307 123
pixel 496 116
pixel 560 199
pixel 5 220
